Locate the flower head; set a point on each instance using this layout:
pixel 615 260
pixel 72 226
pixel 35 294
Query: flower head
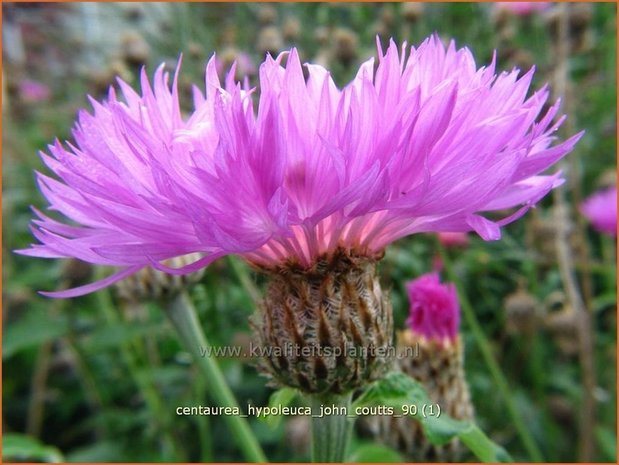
pixel 601 209
pixel 434 311
pixel 424 142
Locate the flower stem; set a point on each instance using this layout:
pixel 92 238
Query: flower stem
pixel 495 371
pixel 182 314
pixel 330 432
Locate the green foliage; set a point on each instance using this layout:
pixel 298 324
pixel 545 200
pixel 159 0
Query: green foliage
pixel 20 448
pixel 34 329
pixel 374 453
pixel 282 397
pixel 398 390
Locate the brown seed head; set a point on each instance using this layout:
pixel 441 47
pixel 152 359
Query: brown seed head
pixel 270 41
pixel 521 312
pixel 327 329
pixel 412 11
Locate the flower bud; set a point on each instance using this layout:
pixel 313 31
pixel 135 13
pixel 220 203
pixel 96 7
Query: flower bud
pixel 453 239
pixel 431 352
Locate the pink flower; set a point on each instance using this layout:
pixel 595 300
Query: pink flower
pixel 434 310
pixel 523 8
pixel 601 209
pixel 453 239
pixel 426 142
pixel 32 91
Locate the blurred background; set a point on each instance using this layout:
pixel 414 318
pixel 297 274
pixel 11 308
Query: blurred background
pixel 98 378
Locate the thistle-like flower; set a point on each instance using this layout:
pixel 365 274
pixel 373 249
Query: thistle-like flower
pixel 431 351
pixel 434 309
pixel 310 187
pixel 601 210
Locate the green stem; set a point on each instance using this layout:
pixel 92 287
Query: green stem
pixel 204 425
pixel 330 432
pixel 491 363
pixel 182 314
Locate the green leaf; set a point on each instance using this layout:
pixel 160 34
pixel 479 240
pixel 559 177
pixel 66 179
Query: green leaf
pixel 608 443
pixel 32 330
pixel 481 445
pixel 282 397
pixel 375 453
pixel 398 389
pixel 604 301
pixel 21 448
pixel 115 334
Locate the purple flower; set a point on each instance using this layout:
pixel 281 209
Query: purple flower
pixel 426 142
pixel 434 310
pixel 32 91
pixel 601 210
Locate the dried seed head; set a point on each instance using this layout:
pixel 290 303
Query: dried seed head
pixel 543 238
pixel 439 368
pixel 16 301
pixel 151 284
pixel 607 179
pixel 519 57
pixel 244 64
pixel 195 50
pixel 325 329
pixel 411 11
pixel 101 79
pixel 387 16
pixel 76 272
pixel 501 19
pixel 135 49
pixel 521 312
pixel 579 20
pixel 581 15
pixel 345 45
pixel 229 35
pixel 270 41
pixel 321 35
pixel 267 14
pixel 563 324
pixel 291 28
